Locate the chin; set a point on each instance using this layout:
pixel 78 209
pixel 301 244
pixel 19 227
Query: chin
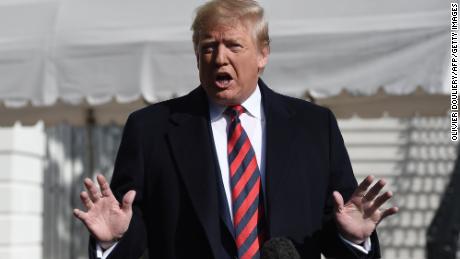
pixel 225 100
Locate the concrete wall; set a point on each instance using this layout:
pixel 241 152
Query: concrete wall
pixel 22 152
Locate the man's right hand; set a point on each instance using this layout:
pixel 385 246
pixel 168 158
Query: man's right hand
pixel 106 219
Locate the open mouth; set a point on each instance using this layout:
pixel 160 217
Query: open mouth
pixel 223 80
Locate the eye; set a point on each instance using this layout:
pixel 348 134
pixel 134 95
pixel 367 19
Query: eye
pixel 235 47
pixel 207 48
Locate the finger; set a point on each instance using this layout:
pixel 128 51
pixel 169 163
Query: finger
pixel 128 200
pixel 374 191
pixel 86 200
pixel 93 191
pixel 363 186
pixel 381 200
pixel 389 212
pixel 105 187
pixel 80 215
pixel 338 201
pixel 378 203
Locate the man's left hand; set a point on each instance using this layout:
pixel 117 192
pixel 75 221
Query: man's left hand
pixel 358 218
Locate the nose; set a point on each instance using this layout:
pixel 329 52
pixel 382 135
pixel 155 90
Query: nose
pixel 221 55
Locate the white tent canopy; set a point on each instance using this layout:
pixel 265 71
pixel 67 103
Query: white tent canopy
pixel 97 50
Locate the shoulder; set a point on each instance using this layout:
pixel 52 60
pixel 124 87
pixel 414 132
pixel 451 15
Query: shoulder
pixel 157 115
pixel 292 105
pixel 304 106
pixel 301 108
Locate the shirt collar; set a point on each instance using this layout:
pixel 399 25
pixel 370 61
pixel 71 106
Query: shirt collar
pixel 252 105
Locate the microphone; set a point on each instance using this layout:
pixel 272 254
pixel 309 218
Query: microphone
pixel 279 248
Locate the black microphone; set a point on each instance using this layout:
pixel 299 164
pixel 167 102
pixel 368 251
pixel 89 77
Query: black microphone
pixel 279 248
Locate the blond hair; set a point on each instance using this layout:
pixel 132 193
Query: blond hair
pixel 231 13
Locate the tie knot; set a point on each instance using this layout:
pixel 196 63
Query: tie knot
pixel 234 111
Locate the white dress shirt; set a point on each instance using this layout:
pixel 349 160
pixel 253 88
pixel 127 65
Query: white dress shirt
pixel 253 122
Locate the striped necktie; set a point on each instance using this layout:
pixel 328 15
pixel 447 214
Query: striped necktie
pixel 245 182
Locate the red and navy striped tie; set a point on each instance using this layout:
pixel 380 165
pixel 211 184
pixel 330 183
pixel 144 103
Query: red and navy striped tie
pixel 245 182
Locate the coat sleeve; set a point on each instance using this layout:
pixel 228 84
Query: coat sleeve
pixel 129 175
pixel 341 179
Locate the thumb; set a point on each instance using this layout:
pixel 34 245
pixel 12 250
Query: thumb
pixel 338 202
pixel 128 200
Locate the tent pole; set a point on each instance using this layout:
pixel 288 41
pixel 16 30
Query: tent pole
pixel 89 126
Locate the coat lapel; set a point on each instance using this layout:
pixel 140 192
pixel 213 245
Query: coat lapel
pixel 280 128
pixel 192 150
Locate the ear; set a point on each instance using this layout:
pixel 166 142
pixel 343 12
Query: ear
pixel 197 59
pixel 262 58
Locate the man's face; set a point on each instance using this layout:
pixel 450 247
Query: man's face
pixel 229 63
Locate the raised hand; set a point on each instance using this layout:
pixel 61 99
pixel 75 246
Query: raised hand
pixel 358 218
pixel 106 219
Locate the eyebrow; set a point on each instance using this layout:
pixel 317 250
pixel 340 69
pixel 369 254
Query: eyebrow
pixel 210 39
